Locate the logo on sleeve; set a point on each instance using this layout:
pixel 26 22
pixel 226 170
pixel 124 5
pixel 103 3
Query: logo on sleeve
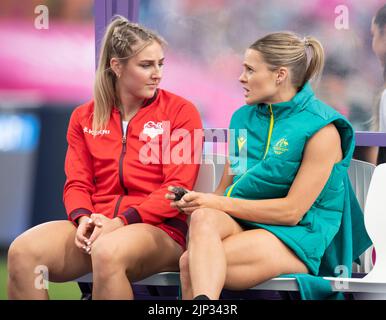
pixel 153 129
pixel 281 146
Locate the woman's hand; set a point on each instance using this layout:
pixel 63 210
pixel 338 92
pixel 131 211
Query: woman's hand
pixel 103 225
pixel 84 231
pixel 100 225
pixel 196 200
pixel 173 195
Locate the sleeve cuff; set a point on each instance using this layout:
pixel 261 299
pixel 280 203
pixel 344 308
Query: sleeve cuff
pixel 130 216
pixel 77 213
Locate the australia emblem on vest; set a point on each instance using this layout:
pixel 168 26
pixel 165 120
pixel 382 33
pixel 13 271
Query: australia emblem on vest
pixel 153 129
pixel 281 146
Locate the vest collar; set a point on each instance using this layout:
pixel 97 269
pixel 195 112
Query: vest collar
pixel 288 108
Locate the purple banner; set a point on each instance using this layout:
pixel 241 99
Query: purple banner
pixel 104 10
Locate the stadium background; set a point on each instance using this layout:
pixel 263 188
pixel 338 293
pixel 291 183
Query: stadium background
pixel 44 74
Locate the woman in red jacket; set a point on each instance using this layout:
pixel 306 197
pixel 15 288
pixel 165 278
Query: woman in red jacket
pixel 124 149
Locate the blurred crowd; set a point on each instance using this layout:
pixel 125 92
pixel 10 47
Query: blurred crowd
pixel 211 36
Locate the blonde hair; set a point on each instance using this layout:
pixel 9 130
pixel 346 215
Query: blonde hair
pixel 304 57
pixel 122 40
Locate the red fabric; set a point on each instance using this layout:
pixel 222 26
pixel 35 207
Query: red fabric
pixel 92 164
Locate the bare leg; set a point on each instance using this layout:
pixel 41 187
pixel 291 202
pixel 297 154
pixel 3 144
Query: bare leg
pixel 129 254
pixel 50 245
pixel 255 256
pixel 207 260
pixel 186 285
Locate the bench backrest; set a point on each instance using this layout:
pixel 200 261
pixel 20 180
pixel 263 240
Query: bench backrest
pixel 375 220
pixel 360 173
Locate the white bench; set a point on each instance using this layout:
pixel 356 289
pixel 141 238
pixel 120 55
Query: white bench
pixel 373 285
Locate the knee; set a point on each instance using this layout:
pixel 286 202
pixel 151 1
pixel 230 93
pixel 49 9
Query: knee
pixel 15 258
pixel 108 259
pixel 201 221
pixel 103 254
pixel 22 255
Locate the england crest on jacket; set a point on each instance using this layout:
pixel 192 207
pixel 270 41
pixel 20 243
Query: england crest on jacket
pixel 153 129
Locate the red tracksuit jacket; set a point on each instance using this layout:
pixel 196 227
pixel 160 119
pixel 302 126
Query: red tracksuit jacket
pixel 109 174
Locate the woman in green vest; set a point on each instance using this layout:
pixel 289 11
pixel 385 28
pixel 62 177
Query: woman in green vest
pixel 283 193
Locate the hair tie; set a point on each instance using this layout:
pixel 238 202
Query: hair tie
pixel 306 42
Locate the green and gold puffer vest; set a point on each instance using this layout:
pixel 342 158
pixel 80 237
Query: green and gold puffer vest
pixel 265 152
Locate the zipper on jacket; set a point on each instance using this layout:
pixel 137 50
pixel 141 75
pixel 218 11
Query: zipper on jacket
pixel 121 158
pixel 271 123
pixel 117 205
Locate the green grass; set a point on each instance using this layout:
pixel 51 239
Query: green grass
pixel 3 279
pixel 56 291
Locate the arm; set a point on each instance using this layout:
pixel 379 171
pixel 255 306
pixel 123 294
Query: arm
pixel 371 154
pixel 156 208
pixel 226 180
pixel 322 151
pixel 79 173
pixel 320 154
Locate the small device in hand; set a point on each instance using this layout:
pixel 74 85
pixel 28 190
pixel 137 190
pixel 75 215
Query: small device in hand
pixel 179 192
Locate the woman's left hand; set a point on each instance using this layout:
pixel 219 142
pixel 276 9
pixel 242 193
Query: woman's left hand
pixel 103 225
pixel 198 200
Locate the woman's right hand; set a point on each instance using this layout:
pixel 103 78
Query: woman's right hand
pixel 84 231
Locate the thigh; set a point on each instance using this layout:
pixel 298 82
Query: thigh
pixel 209 221
pixel 255 256
pixel 52 244
pixel 142 248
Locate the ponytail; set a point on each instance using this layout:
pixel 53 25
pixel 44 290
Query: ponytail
pixel 122 40
pixel 304 57
pixel 315 59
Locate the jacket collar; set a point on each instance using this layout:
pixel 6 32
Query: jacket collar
pixel 288 108
pixel 145 104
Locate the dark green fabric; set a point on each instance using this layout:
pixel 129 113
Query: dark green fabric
pixel 313 287
pixel 350 241
pixel 348 244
